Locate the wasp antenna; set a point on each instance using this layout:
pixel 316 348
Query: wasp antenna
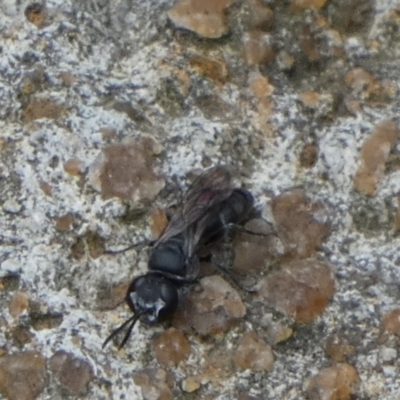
pixel 116 331
pixel 129 331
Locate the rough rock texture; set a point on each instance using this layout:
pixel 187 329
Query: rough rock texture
pixel 107 111
pixel 253 353
pixel 300 289
pixel 73 373
pixel 22 375
pixel 171 347
pixel 205 17
pixel 211 308
pixel 334 383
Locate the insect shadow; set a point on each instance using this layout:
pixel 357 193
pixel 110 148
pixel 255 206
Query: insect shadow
pixel 211 207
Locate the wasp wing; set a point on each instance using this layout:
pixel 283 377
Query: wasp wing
pixel 212 187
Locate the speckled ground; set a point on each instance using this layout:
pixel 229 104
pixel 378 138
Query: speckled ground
pixel 291 109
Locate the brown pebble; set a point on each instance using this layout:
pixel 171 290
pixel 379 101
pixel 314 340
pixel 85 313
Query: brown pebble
pixel 259 15
pixel 285 60
pixel 310 99
pixel 253 353
pixel 158 221
pixel 73 167
pixel 205 17
pixel 95 244
pixel 78 248
pixel 361 82
pixel 19 303
pixel 21 336
pixel 338 349
pixel 190 384
pixel 39 108
pixel 212 69
pixel 246 396
pixel 397 217
pixel 46 188
pixel 309 44
pixel 339 382
pixel 301 224
pixel 211 308
pixel 126 171
pixel 300 289
pixel 154 384
pixel 374 153
pixel 67 78
pixel 300 5
pixel 257 49
pixel 260 85
pixel 109 297
pixel 73 373
pixel 171 347
pixel 64 223
pixel 277 330
pixel 391 322
pixel 254 253
pixel 308 155
pixel 35 13
pixel 22 375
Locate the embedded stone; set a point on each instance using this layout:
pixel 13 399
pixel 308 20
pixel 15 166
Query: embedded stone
pixel 73 373
pixel 22 375
pixel 300 289
pixel 334 383
pixel 35 13
pixel 254 253
pixel 39 108
pixel 109 297
pixel 126 171
pixel 21 336
pixel 361 82
pixel 171 347
pixel 19 303
pixel 259 16
pixel 285 60
pixel 204 17
pixel 212 69
pixel 211 307
pixel 308 155
pixel 338 349
pixel 154 384
pixel 275 330
pixel 391 322
pixel 301 224
pixel 157 221
pixel 190 384
pixel 246 396
pixel 64 222
pixel 258 48
pixel 253 353
pixel 374 153
pixel 300 5
pixel 310 99
pixel 73 167
pixel 46 188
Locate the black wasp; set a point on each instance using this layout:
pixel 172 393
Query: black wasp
pixel 211 205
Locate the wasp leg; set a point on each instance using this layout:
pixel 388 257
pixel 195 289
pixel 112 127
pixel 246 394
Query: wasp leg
pixel 228 275
pixel 239 228
pixel 132 246
pixel 179 279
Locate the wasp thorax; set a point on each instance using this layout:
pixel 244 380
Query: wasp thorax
pixel 169 258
